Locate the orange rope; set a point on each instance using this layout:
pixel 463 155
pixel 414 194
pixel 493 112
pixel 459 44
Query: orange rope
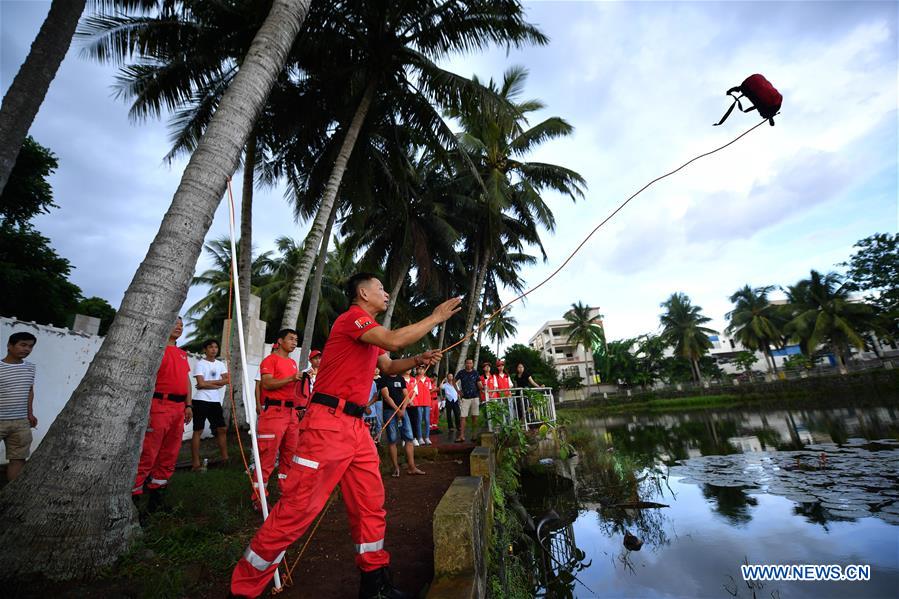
pixel 503 307
pixel 289 572
pixel 595 229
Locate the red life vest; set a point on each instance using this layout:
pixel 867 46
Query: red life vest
pixel 759 91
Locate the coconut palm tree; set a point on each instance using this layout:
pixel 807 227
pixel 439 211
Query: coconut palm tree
pixel 71 506
pixel 682 329
pixel 585 330
pixel 28 89
pixel 505 203
pixel 386 55
pixel 503 326
pixel 754 321
pixel 210 312
pixel 822 312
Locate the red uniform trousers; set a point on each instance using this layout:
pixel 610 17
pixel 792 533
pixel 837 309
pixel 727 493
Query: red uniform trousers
pixel 162 442
pixel 276 432
pixel 333 448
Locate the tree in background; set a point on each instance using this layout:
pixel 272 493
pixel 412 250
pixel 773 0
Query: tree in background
pixel 874 268
pixel 682 330
pixel 586 331
pixel 822 312
pixel 744 360
pixel 754 321
pixel 35 278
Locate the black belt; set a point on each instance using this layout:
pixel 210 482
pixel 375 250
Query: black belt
pixel 276 402
pixel 170 397
pixel 353 409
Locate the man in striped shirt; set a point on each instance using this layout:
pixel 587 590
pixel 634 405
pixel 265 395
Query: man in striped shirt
pixel 17 401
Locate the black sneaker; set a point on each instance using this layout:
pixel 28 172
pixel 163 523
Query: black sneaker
pixel 377 585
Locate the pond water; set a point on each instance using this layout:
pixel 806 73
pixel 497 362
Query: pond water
pixel 746 486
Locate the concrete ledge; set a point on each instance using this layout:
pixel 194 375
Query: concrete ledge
pixel 481 463
pixel 460 540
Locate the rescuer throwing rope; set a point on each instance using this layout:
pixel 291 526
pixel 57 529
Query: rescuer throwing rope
pixel 335 445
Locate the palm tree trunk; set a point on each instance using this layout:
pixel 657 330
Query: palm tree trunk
pixel 770 356
pixel 479 275
pixel 395 291
pixel 71 507
pixel 24 97
pixel 313 240
pixel 477 349
pixel 245 271
pixel 440 341
pixel 312 309
pixel 694 364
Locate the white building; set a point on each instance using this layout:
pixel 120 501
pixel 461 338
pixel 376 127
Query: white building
pixel 552 343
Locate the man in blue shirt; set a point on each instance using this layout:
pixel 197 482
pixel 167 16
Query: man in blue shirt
pixel 469 404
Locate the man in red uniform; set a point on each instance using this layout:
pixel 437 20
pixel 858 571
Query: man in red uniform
pixel 170 410
pixel 307 382
pixel 335 445
pixel 277 428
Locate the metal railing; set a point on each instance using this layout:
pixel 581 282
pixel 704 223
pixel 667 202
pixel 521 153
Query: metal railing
pixel 530 406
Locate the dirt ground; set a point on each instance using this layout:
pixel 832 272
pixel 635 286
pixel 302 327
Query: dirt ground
pixel 190 550
pixel 327 568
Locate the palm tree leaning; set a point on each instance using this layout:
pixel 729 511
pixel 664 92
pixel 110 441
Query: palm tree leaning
pixel 387 52
pixel 505 204
pixel 586 331
pixel 682 329
pixel 822 312
pixel 28 89
pixel 754 321
pixel 71 506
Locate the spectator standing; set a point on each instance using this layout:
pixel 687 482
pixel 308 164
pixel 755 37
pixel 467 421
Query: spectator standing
pixel 211 376
pixel 436 405
pixel 484 382
pixel 170 409
pixel 412 411
pixel 423 403
pixel 17 401
pixel 523 378
pixel 469 406
pixel 394 391
pixel 277 428
pixel 373 410
pixel 451 399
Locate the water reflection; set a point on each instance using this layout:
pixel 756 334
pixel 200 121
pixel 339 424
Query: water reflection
pixel 780 486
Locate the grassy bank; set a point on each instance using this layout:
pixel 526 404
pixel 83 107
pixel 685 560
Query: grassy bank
pixel 870 388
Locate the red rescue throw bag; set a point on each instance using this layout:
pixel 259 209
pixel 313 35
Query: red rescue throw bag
pixel 759 91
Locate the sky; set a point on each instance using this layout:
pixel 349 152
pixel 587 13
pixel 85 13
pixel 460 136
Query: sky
pixel 641 83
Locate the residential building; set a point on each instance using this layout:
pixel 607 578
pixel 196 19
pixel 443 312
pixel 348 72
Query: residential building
pixel 570 360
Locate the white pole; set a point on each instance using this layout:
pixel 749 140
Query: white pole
pixel 247 392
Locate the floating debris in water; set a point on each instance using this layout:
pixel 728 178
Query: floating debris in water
pixel 859 479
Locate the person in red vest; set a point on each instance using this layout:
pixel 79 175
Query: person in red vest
pixel 170 410
pixel 277 427
pixel 484 382
pixel 435 405
pixel 501 380
pixel 335 445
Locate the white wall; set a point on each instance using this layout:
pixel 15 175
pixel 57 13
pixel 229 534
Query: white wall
pixel 62 357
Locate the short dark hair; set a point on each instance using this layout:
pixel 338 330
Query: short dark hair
pixel 21 336
pixel 285 332
pixel 352 285
pixel 209 342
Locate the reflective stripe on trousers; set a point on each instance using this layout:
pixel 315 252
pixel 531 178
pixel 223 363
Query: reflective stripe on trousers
pixel 258 562
pixel 366 547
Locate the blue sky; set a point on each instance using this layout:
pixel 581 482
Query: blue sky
pixel 641 82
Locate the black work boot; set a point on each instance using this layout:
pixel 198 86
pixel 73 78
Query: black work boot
pixel 376 585
pixel 156 501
